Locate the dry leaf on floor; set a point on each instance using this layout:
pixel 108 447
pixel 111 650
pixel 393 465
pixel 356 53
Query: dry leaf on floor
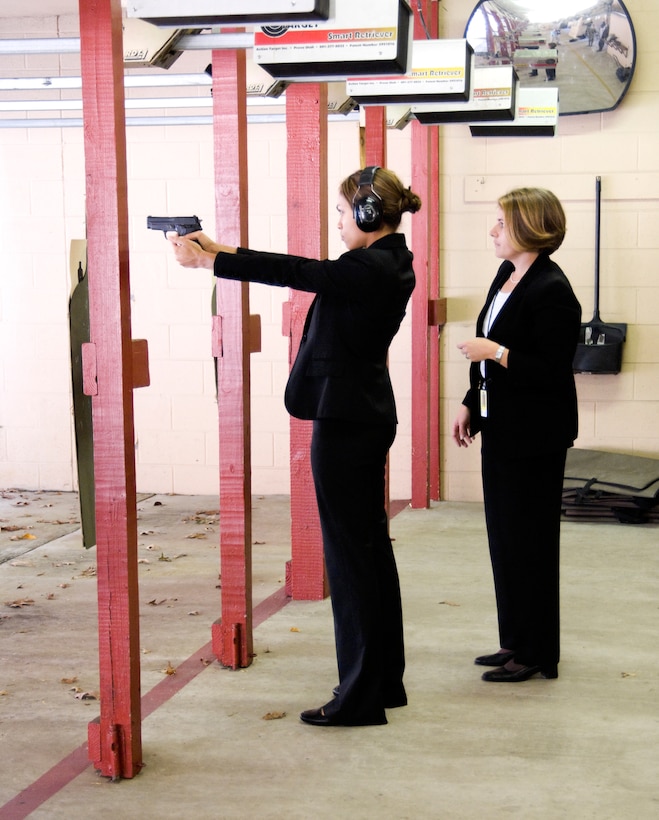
pixel 20 602
pixel 294 629
pixel 163 557
pixel 85 696
pixel 194 612
pixel 90 572
pixel 196 535
pixel 10 528
pixel 274 715
pixel 449 603
pixel 156 602
pixel 26 537
pixel 170 670
pixel 69 680
pixel 21 564
pixel 628 674
pixel 206 661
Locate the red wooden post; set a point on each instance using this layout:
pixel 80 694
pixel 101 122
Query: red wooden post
pixel 115 745
pixel 435 320
pixel 232 634
pixel 306 122
pixel 375 136
pixel 425 351
pixel 375 153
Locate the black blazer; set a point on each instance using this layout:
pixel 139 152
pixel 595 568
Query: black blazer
pixel 532 404
pixel 341 367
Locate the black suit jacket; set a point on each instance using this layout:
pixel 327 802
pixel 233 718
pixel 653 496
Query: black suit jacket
pixel 341 367
pixel 532 404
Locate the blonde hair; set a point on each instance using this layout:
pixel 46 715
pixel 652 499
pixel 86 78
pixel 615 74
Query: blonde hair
pixel 535 219
pixel 396 199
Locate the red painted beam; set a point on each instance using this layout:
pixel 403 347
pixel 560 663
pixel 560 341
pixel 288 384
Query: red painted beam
pixel 306 124
pixel 115 738
pixel 375 136
pixel 425 340
pixel 232 634
pixel 434 454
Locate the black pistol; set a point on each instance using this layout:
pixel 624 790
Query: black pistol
pixel 181 224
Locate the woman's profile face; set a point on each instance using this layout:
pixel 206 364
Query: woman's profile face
pixel 503 247
pixel 351 236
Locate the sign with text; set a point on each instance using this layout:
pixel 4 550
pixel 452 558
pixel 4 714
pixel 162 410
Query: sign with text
pixel 492 97
pixel 440 71
pixel 536 115
pixel 204 13
pixel 360 39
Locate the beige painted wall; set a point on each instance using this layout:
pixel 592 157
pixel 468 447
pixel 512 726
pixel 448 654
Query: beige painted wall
pixel 170 169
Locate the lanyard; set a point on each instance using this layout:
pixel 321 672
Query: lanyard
pixel 490 317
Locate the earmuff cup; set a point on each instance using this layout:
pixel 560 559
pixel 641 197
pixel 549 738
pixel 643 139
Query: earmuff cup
pixel 367 204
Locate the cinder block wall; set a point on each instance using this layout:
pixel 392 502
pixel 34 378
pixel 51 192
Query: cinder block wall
pixel 170 169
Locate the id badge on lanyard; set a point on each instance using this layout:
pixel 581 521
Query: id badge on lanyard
pixel 482 392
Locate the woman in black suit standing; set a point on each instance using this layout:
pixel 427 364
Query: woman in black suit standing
pixel 522 399
pixel 340 381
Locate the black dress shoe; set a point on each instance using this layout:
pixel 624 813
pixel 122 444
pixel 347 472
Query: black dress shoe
pixel 316 717
pixel 392 702
pixel 498 659
pixel 504 675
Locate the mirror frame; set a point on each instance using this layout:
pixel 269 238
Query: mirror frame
pixel 581 9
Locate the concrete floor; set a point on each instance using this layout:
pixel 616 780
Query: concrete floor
pixel 583 746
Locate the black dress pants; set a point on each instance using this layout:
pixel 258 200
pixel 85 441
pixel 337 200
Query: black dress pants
pixel 348 464
pixel 522 512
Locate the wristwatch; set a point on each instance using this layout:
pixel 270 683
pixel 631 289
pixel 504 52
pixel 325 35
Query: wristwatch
pixel 499 354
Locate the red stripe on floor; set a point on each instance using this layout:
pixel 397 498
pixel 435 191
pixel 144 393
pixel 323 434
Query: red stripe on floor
pixel 75 763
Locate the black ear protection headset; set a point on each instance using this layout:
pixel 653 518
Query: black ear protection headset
pixel 367 203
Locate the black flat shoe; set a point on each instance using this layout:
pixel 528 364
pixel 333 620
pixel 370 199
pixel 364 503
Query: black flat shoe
pixel 498 659
pixel 316 717
pixel 503 675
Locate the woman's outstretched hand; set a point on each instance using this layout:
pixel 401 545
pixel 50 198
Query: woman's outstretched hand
pixel 194 250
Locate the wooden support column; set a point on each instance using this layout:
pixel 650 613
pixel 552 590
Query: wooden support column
pixel 425 340
pixel 232 634
pixel 374 152
pixel 436 317
pixel 306 123
pixel 375 136
pixel 115 745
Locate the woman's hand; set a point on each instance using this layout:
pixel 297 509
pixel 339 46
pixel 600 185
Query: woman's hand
pixel 461 427
pixel 196 250
pixel 479 349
